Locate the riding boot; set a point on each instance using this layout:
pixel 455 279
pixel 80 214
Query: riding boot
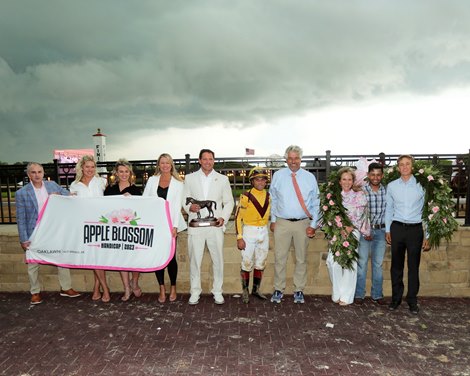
pixel 257 276
pixel 245 278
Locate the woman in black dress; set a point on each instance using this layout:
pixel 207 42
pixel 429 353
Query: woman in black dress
pixel 123 185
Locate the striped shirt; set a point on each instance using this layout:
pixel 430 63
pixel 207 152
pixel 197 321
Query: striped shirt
pixel 377 203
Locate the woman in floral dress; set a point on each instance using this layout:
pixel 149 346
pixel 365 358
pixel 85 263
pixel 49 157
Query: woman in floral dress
pixel 355 201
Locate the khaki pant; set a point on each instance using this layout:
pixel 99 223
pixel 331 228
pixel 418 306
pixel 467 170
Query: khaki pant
pixel 33 273
pixel 284 232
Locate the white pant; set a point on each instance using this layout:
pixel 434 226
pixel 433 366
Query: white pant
pixel 214 237
pixel 343 280
pixel 257 246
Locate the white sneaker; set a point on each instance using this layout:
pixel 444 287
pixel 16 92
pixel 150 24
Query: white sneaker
pixel 219 299
pixel 193 299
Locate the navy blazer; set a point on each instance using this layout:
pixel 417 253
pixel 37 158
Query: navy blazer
pixel 27 207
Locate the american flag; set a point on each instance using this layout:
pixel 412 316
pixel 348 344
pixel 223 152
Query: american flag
pixel 249 151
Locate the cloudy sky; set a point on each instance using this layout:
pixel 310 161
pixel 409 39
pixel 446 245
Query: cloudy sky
pixel 353 77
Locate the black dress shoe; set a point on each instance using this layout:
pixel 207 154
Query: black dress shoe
pixel 414 309
pixel 393 306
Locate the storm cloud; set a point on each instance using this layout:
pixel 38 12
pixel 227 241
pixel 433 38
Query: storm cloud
pixel 68 68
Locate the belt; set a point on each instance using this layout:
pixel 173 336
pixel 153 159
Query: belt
pixel 407 224
pixel 376 227
pixel 294 219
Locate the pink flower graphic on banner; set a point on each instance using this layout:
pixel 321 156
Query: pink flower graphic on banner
pixel 126 215
pixel 120 216
pixel 114 216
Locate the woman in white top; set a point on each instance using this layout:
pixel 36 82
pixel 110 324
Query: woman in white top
pixel 89 184
pixel 167 184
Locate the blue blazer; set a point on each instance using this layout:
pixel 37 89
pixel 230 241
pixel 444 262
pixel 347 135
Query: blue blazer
pixel 27 207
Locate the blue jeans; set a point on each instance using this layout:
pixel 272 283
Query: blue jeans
pixel 376 249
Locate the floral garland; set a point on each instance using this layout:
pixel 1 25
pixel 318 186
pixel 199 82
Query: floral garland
pixel 438 211
pixel 438 217
pixel 333 221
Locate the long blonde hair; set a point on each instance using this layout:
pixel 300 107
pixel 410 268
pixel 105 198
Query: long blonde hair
pixel 173 169
pixel 80 164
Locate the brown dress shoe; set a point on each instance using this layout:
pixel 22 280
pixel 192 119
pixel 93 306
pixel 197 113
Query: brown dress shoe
pixel 359 301
pixel 70 293
pixel 380 301
pixel 36 298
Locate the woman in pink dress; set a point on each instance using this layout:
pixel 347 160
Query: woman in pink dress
pixel 355 201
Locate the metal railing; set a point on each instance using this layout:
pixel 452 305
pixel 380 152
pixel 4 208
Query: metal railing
pixel 453 166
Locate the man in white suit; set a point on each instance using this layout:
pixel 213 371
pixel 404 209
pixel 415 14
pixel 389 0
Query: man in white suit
pixel 207 184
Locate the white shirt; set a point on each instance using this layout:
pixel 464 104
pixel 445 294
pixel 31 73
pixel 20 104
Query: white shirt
pixel 41 195
pixel 206 182
pixel 95 187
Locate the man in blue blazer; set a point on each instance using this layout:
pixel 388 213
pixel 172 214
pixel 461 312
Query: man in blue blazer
pixel 29 201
